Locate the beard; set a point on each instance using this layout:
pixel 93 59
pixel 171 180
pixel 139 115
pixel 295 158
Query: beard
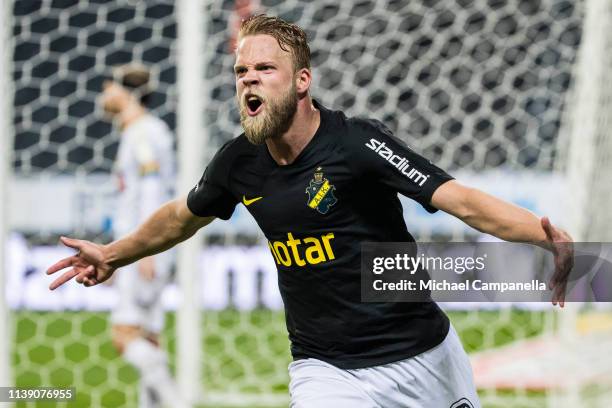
pixel 273 121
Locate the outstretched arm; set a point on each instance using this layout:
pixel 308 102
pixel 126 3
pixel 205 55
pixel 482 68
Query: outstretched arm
pixel 489 214
pixel 169 225
pixel 510 223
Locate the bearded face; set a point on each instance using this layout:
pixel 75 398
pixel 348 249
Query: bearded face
pixel 266 87
pixel 268 117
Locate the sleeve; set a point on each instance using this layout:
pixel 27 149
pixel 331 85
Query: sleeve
pixel 382 157
pixel 211 196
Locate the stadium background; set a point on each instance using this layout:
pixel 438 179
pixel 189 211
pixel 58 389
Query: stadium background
pixel 483 88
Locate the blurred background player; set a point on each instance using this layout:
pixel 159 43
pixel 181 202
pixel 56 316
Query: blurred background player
pixel 144 169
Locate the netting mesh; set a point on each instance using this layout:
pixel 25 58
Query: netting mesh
pixel 471 84
pixel 63 52
pixel 486 78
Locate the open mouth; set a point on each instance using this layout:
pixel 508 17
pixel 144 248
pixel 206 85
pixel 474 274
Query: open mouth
pixel 254 104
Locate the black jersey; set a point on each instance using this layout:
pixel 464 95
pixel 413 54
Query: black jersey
pixel 340 191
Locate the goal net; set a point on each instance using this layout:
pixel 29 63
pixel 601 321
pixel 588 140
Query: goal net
pixel 497 92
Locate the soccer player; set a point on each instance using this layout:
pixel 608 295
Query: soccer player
pixel 144 169
pixel 318 184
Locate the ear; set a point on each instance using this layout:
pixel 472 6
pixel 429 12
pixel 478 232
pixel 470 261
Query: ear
pixel 303 78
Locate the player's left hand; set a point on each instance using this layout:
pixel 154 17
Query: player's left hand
pixel 561 245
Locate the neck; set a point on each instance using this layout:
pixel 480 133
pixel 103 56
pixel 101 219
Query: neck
pixel 290 144
pixel 130 114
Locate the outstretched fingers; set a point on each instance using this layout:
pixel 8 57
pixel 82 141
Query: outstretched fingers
pixel 63 279
pixel 71 242
pixel 69 261
pixel 563 250
pixel 85 276
pixel 559 294
pixel 549 230
pixel 64 263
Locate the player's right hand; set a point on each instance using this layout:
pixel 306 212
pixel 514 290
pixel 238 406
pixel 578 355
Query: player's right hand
pixel 89 264
pixel 562 246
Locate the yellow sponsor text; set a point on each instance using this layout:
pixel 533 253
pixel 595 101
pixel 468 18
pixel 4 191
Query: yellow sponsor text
pixel 305 251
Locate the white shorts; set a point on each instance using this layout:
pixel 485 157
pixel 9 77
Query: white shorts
pixel 438 378
pixel 139 302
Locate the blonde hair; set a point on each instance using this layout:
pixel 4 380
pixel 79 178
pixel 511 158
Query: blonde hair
pixel 290 37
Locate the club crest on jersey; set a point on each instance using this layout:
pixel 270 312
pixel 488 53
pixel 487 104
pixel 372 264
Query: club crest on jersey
pixel 320 193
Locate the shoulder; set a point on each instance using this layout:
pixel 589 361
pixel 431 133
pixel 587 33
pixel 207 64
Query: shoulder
pixel 236 147
pixel 364 133
pixel 367 127
pixel 354 130
pixel 357 135
pixel 229 158
pixel 232 152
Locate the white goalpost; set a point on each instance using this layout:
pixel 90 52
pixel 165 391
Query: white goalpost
pixel 192 140
pixel 586 146
pixel 5 160
pixel 588 137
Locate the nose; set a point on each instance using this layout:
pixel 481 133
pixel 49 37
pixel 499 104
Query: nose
pixel 250 78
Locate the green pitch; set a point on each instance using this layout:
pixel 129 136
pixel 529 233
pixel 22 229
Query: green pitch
pixel 245 352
